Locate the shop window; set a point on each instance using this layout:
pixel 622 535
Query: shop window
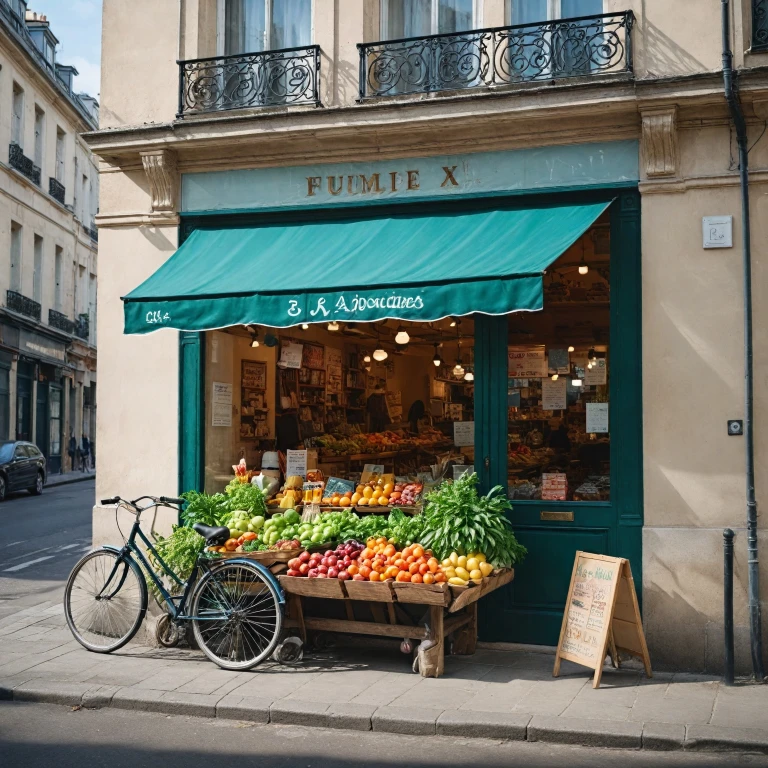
pixel 251 26
pixel 558 388
pixel 5 402
pixel 55 422
pixel 405 411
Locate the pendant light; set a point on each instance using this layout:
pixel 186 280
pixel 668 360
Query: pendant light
pixel 333 326
pixel 305 326
pixel 367 359
pixel 583 268
pixel 555 376
pixel 571 349
pixel 255 338
pixel 437 360
pixel 402 336
pixel 453 322
pixel 458 369
pixel 469 376
pixel 379 354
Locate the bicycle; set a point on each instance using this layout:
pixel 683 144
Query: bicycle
pixel 235 605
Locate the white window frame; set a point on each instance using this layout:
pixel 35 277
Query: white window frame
pixel 477 17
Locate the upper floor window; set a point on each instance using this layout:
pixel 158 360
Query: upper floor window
pixel 250 26
pixel 533 11
pixel 60 158
pixel 759 24
pixel 418 18
pixel 17 125
pixel 39 136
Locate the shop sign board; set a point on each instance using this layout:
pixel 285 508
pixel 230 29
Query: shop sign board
pixel 221 404
pixel 601 615
pixel 597 417
pixel 296 463
pixel 38 346
pixel 463 433
pixel 527 362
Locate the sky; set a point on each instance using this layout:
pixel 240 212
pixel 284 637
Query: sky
pixel 77 25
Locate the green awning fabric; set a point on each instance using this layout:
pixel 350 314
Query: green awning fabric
pixel 409 267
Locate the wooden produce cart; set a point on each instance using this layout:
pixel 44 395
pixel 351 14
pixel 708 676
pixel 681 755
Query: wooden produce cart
pixel 451 611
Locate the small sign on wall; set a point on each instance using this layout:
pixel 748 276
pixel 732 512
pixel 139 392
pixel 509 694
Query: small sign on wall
pixel 718 231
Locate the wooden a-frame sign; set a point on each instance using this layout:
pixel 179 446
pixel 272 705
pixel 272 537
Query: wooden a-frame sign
pixel 601 615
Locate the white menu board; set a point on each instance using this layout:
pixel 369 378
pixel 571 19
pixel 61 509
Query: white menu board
pixel 221 404
pixel 296 463
pixel 290 355
pixel 464 433
pixel 597 417
pixel 553 394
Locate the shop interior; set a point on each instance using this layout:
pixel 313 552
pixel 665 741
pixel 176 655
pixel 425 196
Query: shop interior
pixel 398 397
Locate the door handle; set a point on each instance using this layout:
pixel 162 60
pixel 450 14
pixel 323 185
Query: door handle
pixel 487 462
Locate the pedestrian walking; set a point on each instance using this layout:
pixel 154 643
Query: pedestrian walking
pixel 73 452
pixel 85 454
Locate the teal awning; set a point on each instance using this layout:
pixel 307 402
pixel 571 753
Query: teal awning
pixel 409 267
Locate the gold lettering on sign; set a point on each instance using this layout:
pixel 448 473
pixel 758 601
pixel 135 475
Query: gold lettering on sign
pixel 351 185
pixel 313 185
pixel 393 176
pixel 413 179
pixel 449 177
pixel 331 181
pixel 371 184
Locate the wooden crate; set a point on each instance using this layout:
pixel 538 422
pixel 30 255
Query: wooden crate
pixel 425 594
pixel 265 557
pixel 301 585
pixel 375 591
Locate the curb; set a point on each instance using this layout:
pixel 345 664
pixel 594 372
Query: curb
pixel 70 480
pixel 490 725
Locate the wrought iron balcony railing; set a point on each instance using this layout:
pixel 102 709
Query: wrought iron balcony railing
pixel 18 160
pixel 21 304
pixel 60 321
pixel 83 326
pixel 56 189
pixel 759 25
pixel 271 78
pixel 550 50
pixel 92 232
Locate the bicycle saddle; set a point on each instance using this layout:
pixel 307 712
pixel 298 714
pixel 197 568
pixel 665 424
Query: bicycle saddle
pixel 213 536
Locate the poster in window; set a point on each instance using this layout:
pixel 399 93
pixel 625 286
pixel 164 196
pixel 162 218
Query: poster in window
pixel 559 360
pixel 553 394
pixel 221 404
pixel 333 384
pixel 597 417
pixel 527 361
pixel 313 356
pixel 291 355
pixel 254 374
pixel 597 375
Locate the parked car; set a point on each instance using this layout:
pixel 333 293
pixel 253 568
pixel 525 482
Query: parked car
pixel 22 468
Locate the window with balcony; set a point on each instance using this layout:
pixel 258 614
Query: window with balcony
pixel 759 25
pixel 265 58
pixel 37 274
pixel 17 118
pixel 58 261
pixel 16 235
pixel 39 136
pixel 417 18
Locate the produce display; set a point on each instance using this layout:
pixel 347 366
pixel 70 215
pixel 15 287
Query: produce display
pixel 349 442
pixel 377 493
pixel 461 569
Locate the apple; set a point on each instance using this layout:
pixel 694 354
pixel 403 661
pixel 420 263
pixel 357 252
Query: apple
pixel 332 560
pixel 292 572
pixel 322 575
pixel 305 556
pixel 344 576
pixel 358 577
pixel 312 574
pixel 328 553
pixel 333 572
pixel 322 569
pixel 304 569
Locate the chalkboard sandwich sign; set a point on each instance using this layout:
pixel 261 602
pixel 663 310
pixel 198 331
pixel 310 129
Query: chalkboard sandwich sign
pixel 601 615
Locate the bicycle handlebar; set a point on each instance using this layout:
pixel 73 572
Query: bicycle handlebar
pixel 170 500
pixel 135 502
pixel 107 502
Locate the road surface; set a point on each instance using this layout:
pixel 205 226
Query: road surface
pixel 41 538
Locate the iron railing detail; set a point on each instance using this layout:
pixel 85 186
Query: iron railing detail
pixel 759 24
pixel 62 322
pixel 92 232
pixel 24 165
pixel 23 305
pixel 56 189
pixel 83 326
pixel 550 50
pixel 272 78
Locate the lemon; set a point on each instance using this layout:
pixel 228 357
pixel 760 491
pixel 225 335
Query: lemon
pixel 457 582
pixel 486 569
pixel 472 563
pixel 475 573
pixel 480 556
pixel 449 571
pixel 446 563
pixel 462 573
pixel 462 561
pixel 454 558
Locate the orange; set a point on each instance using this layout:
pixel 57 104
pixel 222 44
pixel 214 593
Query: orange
pixel 363 502
pixel 410 559
pixel 429 578
pixel 388 488
pixel 408 551
pixel 433 564
pixel 382 540
pixel 383 501
pixel 366 553
pixel 352 569
pixel 365 571
pixel 392 573
pixel 403 576
pixel 416 578
pixel 376 493
pixel 335 501
pixel 344 501
pixel 348 494
pixel 389 550
pixel 356 497
pixel 367 492
pixel 395 495
pixel 374 576
pixel 360 489
pixel 399 562
pixel 423 568
pixel 413 568
pixel 418 551
pixel 440 577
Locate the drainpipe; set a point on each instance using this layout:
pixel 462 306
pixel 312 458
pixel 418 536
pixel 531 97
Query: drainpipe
pixel 731 96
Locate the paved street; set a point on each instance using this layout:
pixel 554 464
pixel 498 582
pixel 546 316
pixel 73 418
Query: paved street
pixel 42 735
pixel 41 538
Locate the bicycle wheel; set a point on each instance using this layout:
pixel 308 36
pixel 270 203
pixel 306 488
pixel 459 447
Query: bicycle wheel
pixel 237 616
pixel 104 615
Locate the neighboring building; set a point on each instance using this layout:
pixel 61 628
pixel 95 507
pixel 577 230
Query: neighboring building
pixel 623 111
pixel 49 196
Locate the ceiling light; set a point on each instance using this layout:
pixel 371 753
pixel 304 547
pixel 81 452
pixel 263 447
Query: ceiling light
pixel 571 349
pixel 380 354
pixel 255 343
pixel 469 376
pixel 453 323
pixel 437 360
pixel 333 326
pixel 402 337
pixel 458 370
pixel 589 365
pixel 583 269
pixel 576 382
pixel 592 355
pixel 255 338
pixel 305 326
pixel 555 377
pixel 367 359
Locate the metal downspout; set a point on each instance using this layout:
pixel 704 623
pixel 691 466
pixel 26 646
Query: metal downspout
pixel 755 630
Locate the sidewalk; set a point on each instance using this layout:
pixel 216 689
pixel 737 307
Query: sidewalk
pixel 493 694
pixel 68 477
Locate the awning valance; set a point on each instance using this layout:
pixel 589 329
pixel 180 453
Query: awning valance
pixel 409 267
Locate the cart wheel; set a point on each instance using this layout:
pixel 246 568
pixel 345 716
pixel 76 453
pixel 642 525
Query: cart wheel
pixel 166 632
pixel 290 651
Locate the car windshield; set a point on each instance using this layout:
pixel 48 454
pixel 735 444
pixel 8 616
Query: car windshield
pixel 6 451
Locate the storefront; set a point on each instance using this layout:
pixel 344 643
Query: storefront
pixel 424 316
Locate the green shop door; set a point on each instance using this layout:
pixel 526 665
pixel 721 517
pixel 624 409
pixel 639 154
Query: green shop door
pixel 513 430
